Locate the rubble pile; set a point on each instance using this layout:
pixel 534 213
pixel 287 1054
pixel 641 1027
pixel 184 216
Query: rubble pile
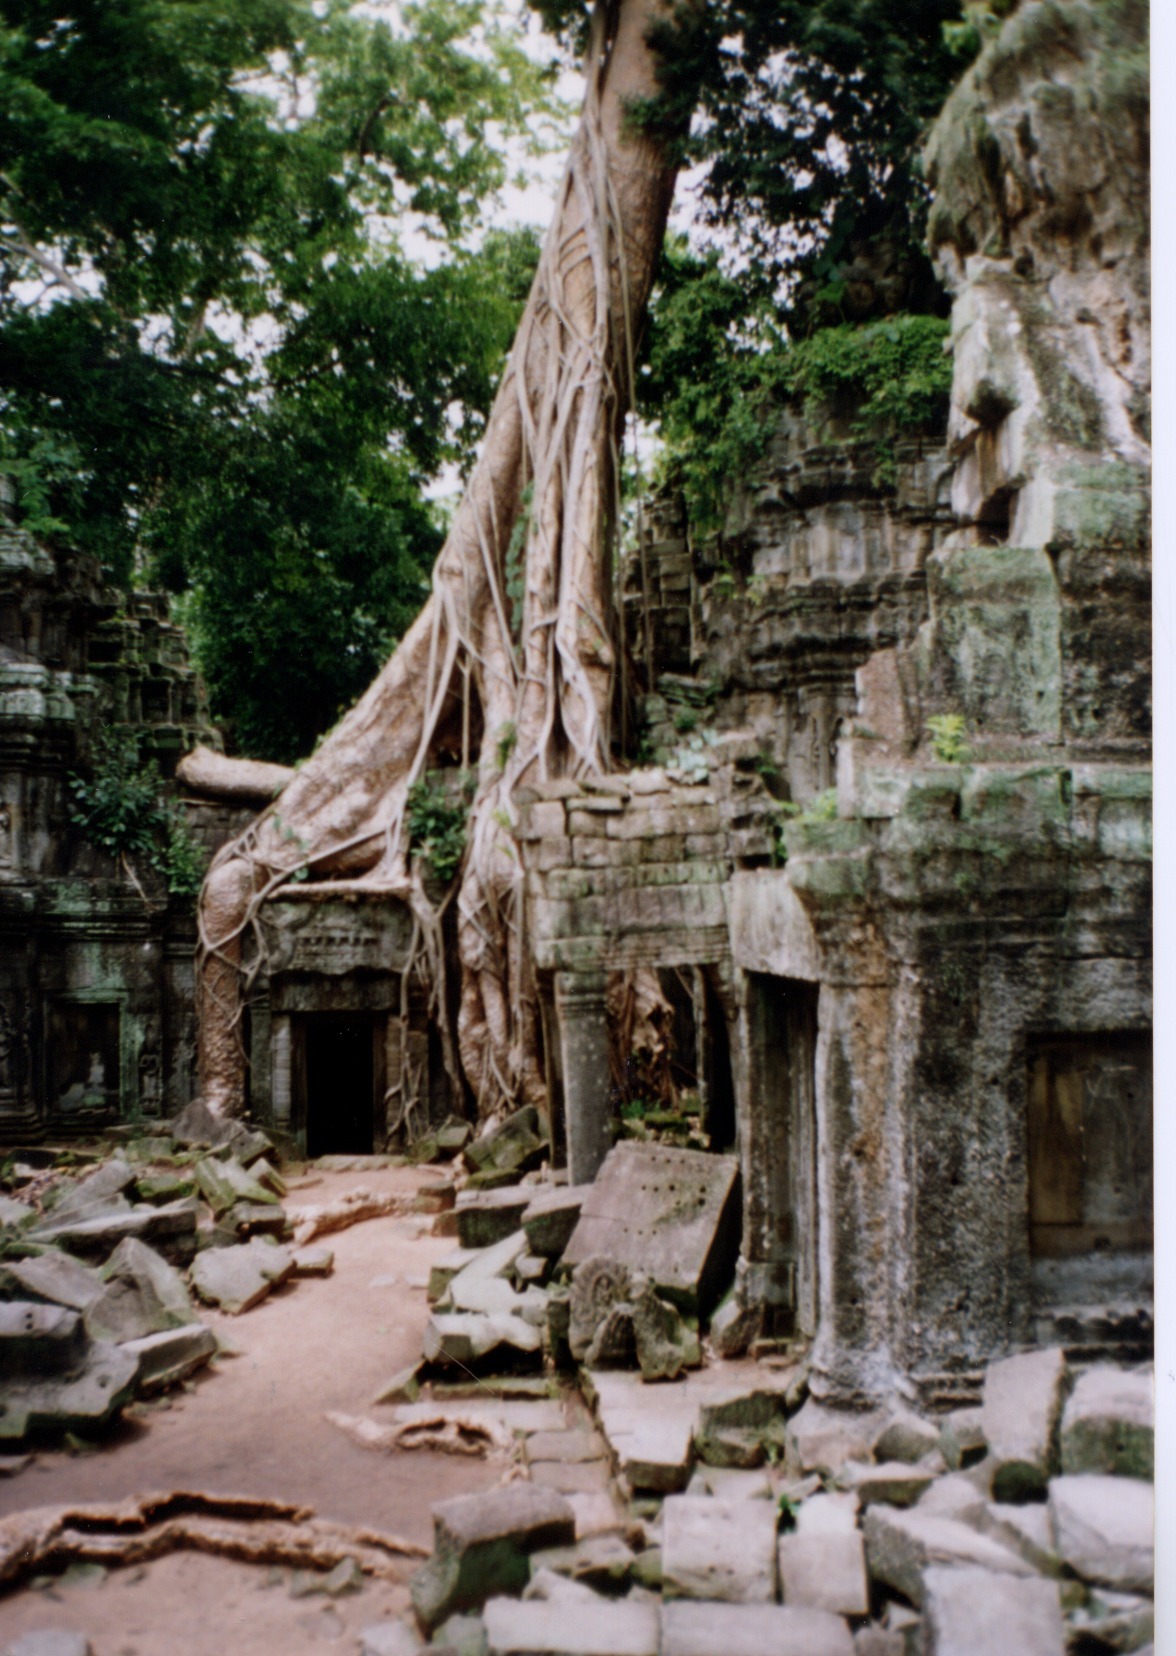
pixel 107 1251
pixel 754 1519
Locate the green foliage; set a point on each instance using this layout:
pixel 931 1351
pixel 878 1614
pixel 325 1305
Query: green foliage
pixel 823 808
pixel 218 367
pixel 121 807
pixel 948 733
pixel 437 825
pixel 507 741
pixel 894 375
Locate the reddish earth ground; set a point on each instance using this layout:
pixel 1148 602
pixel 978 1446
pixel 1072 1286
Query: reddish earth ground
pixel 253 1424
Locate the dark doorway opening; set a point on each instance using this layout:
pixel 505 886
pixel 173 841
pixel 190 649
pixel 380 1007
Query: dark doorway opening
pixel 340 1078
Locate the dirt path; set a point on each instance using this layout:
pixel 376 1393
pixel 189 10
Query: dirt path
pixel 254 1424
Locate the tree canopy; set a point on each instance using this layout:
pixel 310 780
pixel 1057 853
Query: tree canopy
pixel 220 367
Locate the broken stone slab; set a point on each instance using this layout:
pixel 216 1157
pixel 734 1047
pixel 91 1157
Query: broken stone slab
pixel 389 1638
pixel 246 1219
pixel 1116 1621
pixel 164 1187
pixel 718 1550
pixel 50 1641
pixel 955 1496
pixel 671 1214
pixel 961 1437
pixel 731 1483
pixel 551 1218
pixel 751 1630
pixel 1021 1413
pixel 467 1338
pixel 894 1483
pixel 515 1145
pixel 313 1261
pixel 482 1285
pixel 822 1439
pixel 58 1277
pixel 143 1295
pixel 166 1358
pixel 105 1229
pixel 14 1213
pixel 666 1345
pixel 1026 1529
pixel 485 1217
pixel 537 1628
pixel 547 1586
pixel 481 1546
pixel 105 1184
pixel 654 1454
pixel 530 1270
pixel 824 1572
pixel 442 1273
pixel 975 1612
pixel 603 1561
pixel 906 1436
pixel 1108 1424
pixel 828 1514
pixel 238 1278
pixel 1105 1529
pixel 80 1399
pixel 225 1183
pixel 38 1338
pixel 902 1546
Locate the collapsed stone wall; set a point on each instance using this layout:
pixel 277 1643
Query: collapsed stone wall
pixel 96 981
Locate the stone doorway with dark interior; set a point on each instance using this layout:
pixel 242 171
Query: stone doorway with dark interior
pixel 337 1092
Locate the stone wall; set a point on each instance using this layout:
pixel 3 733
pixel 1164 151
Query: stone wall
pixel 96 978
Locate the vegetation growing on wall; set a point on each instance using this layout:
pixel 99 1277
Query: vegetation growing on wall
pixel 121 807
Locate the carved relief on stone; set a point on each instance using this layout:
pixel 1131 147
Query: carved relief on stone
pixel 5 834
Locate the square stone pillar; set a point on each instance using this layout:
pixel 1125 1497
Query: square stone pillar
pixel 583 1038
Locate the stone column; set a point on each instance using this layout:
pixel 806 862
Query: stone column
pixel 281 1072
pixel 583 1037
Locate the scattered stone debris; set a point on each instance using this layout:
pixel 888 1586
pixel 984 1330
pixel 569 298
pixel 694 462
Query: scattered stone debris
pixel 481 1546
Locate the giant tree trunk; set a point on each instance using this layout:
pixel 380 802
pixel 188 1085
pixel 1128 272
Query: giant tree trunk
pixel 531 670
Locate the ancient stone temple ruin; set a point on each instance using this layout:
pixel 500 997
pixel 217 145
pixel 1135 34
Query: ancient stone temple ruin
pixel 891 862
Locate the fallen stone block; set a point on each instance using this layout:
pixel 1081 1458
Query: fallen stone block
pixel 961 1437
pixel 894 1483
pixel 50 1642
pixel 389 1638
pixel 536 1628
pixel 955 1496
pixel 732 1483
pixel 143 1295
pixel 752 1630
pixel 514 1146
pixel 164 1187
pixel 1116 1621
pixel 1105 1529
pixel 568 1446
pixel 1026 1529
pixel 106 1227
pixel 37 1338
pixel 468 1338
pixel 822 1439
pixel 15 1214
pixel 81 1398
pixel 104 1185
pixel 551 1218
pixel 1109 1423
pixel 972 1612
pixel 666 1345
pixel 653 1454
pixel 828 1514
pixel 443 1272
pixel 719 1550
pixel 166 1358
pixel 671 1214
pixel 902 1546
pixel 600 1326
pixel 240 1277
pixel 485 1217
pixel 906 1436
pixel 1021 1413
pixel 313 1262
pixel 545 1586
pixel 581 1478
pixel 824 1572
pixel 246 1219
pixel 481 1547
pixel 225 1183
pixel 460 1636
pixel 602 1561
pixel 59 1278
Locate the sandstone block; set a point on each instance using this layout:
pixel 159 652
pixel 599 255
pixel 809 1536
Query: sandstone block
pixel 830 1514
pixel 538 1628
pixel 972 1612
pixel 485 1217
pixel 720 1550
pixel 894 1482
pixel 467 1338
pixel 823 1439
pixel 1026 1529
pixel 551 1217
pixel 824 1572
pixel 58 1277
pixel 481 1546
pixel 166 1358
pixel 1109 1423
pixel 388 1638
pixel 961 1437
pixel 240 1277
pixel 1021 1412
pixel 906 1436
pixel 1105 1529
pixel 143 1295
pixel 902 1546
pixel 752 1630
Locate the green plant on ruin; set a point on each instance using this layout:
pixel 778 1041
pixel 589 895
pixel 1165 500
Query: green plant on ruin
pixel 437 826
pixel 948 733
pixel 121 807
pixel 821 809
